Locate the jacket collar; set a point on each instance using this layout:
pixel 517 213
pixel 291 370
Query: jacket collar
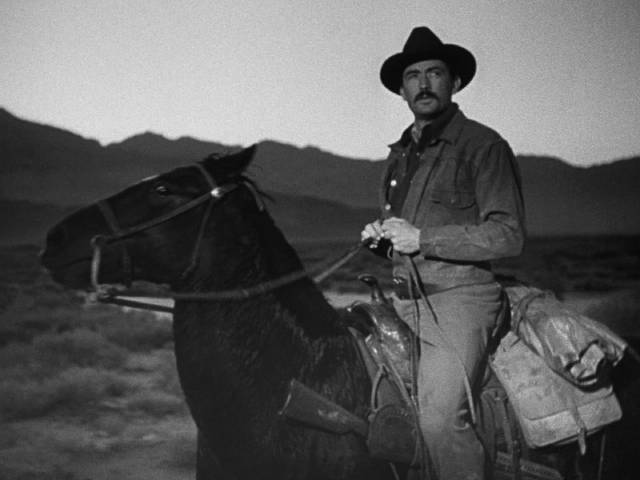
pixel 449 133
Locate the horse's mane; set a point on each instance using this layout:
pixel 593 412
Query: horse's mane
pixel 301 298
pixel 259 194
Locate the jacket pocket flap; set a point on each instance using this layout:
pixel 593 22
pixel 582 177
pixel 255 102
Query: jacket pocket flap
pixel 453 198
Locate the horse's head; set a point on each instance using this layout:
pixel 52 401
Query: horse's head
pixel 163 229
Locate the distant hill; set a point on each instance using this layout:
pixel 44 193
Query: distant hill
pixel 153 145
pixel 562 199
pixel 277 167
pixel 54 168
pixel 52 165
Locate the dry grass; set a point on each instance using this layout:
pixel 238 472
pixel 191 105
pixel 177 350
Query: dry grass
pixel 156 403
pixel 82 385
pixel 58 355
pixel 58 473
pixel 68 390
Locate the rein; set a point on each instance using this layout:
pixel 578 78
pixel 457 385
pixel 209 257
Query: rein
pixel 109 294
pixel 106 293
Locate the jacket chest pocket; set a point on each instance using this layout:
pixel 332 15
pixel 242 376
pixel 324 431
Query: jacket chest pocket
pixel 454 199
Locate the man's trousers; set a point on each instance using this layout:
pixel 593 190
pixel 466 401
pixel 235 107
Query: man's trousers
pixel 455 331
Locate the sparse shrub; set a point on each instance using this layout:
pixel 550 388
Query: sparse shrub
pixel 143 362
pixel 111 423
pixel 183 449
pixel 81 347
pixel 161 367
pixel 9 438
pixel 72 388
pixel 23 324
pixel 58 473
pixel 156 403
pixel 166 374
pixel 11 333
pixel 135 331
pixel 19 360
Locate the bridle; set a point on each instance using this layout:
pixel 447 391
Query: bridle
pixel 107 293
pixel 118 233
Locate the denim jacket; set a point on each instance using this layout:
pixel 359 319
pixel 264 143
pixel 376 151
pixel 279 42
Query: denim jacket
pixel 465 198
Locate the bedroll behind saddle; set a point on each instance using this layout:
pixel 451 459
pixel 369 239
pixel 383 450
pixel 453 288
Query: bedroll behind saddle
pixel 575 346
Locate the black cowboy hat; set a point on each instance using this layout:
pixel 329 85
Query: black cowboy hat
pixel 423 44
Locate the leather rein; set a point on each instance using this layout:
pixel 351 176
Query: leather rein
pixel 108 293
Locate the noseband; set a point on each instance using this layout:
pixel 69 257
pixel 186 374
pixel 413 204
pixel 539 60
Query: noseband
pixel 109 294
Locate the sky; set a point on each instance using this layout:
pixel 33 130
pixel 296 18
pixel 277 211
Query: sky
pixel 555 77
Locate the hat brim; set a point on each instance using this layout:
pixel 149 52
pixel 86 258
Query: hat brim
pixel 459 59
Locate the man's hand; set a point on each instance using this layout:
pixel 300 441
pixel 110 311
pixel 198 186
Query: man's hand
pixel 374 232
pixel 404 236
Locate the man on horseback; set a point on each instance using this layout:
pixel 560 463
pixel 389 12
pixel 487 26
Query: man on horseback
pixel 451 203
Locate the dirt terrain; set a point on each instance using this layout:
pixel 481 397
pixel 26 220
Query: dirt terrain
pixel 103 440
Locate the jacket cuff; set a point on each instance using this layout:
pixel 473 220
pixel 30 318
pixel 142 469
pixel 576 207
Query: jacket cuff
pixel 427 242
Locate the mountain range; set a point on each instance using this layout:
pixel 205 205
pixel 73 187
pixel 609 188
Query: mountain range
pixel 45 172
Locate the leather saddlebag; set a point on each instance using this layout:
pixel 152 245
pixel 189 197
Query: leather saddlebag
pixel 550 409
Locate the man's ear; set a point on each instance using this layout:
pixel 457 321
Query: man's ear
pixel 402 94
pixel 456 84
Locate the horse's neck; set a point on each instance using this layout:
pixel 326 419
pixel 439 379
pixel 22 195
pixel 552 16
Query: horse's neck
pixel 300 305
pixel 252 348
pixel 302 299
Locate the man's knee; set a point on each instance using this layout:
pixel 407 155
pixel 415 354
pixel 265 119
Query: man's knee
pixel 438 425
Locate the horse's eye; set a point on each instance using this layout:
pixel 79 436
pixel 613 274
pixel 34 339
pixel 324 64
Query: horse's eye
pixel 162 189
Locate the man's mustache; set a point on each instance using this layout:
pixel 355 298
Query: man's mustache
pixel 424 95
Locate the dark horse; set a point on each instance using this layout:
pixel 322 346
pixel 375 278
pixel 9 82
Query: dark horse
pixel 235 357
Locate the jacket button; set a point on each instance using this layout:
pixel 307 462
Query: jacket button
pixel 393 183
pixel 387 207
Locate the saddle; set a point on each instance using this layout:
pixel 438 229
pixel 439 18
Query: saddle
pixel 520 407
pixel 384 343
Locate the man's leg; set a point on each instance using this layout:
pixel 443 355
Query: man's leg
pixel 467 318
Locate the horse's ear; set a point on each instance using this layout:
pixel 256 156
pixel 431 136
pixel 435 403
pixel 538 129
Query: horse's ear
pixel 230 166
pixel 245 157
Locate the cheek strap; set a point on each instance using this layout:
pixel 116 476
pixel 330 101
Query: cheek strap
pixel 114 226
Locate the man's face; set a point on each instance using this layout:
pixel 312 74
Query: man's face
pixel 427 87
